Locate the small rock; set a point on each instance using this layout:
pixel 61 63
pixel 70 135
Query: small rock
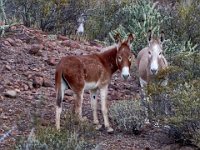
pixel 70 43
pixel 30 85
pixel 7 82
pixel 137 96
pixel 7 67
pixel 35 48
pixel 53 44
pixel 17 90
pixel 45 122
pixel 25 87
pixel 75 45
pixel 1 98
pixel 30 97
pixel 60 37
pixel 11 41
pixel 46 83
pixel 12 28
pixel 66 43
pixel 26 46
pixel 18 42
pixel 6 43
pixel 36 69
pixel 39 53
pixel 29 76
pixel 51 61
pixel 11 93
pixel 69 93
pixel 37 82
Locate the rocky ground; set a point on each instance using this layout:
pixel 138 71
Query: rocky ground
pixel 28 58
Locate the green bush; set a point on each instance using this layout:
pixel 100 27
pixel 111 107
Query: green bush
pixel 73 136
pixel 128 115
pixel 144 15
pixel 181 98
pixel 49 138
pixel 100 21
pixel 187 21
pixel 138 18
pixel 182 27
pixel 32 145
pixel 188 61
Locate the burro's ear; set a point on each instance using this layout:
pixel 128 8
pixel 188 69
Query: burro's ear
pixel 162 36
pixel 117 38
pixel 149 35
pixel 131 38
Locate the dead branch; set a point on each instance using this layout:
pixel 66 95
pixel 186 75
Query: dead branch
pixel 7 134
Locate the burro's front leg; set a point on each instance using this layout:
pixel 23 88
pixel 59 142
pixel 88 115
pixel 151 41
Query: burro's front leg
pixel 104 108
pixel 93 98
pixel 144 100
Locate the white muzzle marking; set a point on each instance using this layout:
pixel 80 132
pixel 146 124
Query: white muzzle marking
pixel 125 72
pixel 154 67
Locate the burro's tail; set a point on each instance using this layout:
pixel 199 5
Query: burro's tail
pixel 58 82
pixel 59 95
pixel 60 85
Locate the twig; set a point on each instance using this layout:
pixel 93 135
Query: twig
pixel 30 138
pixel 5 27
pixel 9 133
pixel 32 134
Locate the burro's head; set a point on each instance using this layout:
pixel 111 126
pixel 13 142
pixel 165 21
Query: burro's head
pixel 124 55
pixel 155 51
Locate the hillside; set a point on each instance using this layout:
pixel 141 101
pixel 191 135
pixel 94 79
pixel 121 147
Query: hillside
pixel 28 58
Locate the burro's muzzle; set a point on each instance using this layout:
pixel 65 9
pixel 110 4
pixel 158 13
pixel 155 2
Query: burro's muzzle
pixel 154 67
pixel 125 73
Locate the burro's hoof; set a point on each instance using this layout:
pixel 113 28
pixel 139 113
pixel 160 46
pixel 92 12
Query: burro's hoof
pixel 109 130
pixel 58 129
pixel 84 119
pixel 98 127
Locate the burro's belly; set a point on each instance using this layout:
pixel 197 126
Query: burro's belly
pixel 90 85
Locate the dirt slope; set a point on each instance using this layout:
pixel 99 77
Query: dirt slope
pixel 28 58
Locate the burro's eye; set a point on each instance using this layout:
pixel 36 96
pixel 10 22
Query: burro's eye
pixel 160 53
pixel 149 52
pixel 129 58
pixel 119 58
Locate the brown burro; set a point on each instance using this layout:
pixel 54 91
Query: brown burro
pixel 92 72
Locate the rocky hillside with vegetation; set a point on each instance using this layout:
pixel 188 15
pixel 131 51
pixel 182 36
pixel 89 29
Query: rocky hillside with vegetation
pixel 36 34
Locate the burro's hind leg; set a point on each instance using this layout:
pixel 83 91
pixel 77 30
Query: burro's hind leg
pixel 78 105
pixel 59 96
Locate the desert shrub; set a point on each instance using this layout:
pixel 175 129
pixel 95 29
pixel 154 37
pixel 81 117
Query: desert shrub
pixel 187 21
pixel 73 136
pixel 140 17
pixel 144 15
pixel 84 129
pixel 182 26
pixel 49 138
pixel 189 61
pixel 32 145
pixel 178 104
pixel 186 105
pixel 128 115
pixel 100 19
